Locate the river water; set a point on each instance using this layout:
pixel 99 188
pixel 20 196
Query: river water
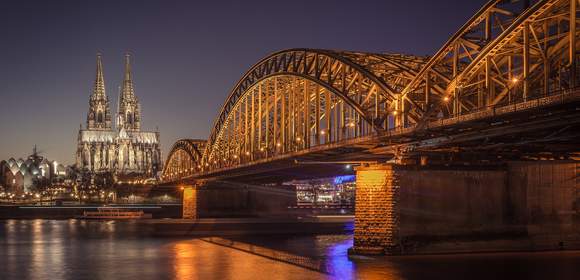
pixel 77 249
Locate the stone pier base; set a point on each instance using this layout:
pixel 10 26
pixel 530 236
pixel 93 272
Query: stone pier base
pixel 189 202
pixel 512 206
pixel 376 229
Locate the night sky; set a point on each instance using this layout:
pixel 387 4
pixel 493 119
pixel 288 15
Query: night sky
pixel 187 55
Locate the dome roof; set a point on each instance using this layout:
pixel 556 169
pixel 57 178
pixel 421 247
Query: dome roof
pixel 14 168
pixel 11 162
pixel 23 169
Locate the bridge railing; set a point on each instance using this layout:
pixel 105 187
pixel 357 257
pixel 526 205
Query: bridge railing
pixel 516 105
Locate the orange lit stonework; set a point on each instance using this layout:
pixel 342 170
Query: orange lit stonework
pixel 376 214
pixel 189 202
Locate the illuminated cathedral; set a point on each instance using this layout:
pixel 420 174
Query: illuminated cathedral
pixel 122 148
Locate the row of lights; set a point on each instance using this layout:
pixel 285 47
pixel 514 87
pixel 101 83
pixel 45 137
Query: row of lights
pixel 247 153
pixel 323 132
pixel 514 80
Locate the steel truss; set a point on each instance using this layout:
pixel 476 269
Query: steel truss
pixel 300 98
pixel 183 159
pixel 293 100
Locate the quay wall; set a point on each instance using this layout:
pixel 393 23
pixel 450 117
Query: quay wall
pixel 518 206
pixel 226 199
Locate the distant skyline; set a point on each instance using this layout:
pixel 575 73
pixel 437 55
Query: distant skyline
pixel 186 56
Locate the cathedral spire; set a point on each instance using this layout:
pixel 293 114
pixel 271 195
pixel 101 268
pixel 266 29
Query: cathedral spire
pixel 99 116
pixel 127 67
pixel 127 92
pixel 99 89
pixel 128 108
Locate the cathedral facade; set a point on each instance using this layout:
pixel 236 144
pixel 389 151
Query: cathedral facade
pixel 120 147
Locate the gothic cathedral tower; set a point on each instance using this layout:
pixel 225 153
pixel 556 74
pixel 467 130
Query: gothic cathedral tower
pixel 99 116
pixel 125 149
pixel 129 111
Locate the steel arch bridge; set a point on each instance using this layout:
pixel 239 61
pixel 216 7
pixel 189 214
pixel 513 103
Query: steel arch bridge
pixel 183 158
pixel 507 57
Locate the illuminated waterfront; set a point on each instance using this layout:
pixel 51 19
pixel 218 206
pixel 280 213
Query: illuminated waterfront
pixel 74 249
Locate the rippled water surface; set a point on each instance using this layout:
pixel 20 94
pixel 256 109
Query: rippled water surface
pixel 75 249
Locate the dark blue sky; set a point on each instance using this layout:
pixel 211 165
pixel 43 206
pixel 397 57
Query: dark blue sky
pixel 187 55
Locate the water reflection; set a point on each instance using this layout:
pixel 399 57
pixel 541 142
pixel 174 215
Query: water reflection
pixel 338 262
pixel 74 249
pixel 184 254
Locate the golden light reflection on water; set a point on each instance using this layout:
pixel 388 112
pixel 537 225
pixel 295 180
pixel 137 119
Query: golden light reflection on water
pixel 44 249
pixel 184 252
pixel 197 259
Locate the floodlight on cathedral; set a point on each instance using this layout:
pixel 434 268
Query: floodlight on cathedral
pixel 123 148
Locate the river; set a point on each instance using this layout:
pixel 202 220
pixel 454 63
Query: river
pixel 78 249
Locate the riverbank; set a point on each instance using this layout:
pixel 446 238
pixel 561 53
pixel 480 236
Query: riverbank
pixel 73 211
pixel 251 226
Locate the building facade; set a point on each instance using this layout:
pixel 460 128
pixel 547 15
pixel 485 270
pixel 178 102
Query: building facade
pixel 122 149
pixel 20 175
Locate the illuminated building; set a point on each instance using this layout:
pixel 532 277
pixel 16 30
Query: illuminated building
pixel 335 191
pixel 124 149
pixel 20 175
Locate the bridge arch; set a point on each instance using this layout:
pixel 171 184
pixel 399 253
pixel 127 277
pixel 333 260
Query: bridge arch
pixel 299 98
pixel 183 158
pixel 484 61
pixel 535 57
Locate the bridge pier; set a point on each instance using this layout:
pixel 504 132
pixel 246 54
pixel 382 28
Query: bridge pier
pixel 220 199
pixel 189 202
pixel 508 206
pixel 376 225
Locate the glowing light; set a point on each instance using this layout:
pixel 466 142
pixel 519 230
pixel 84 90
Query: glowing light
pixel 247 153
pixel 235 156
pixel 351 124
pixel 298 139
pixel 261 149
pixel 395 113
pixel 278 144
pixel 344 179
pixel 322 132
pixel 446 98
pixel 348 166
pixel 515 80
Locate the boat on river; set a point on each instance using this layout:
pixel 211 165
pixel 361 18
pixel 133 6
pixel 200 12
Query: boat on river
pixel 110 213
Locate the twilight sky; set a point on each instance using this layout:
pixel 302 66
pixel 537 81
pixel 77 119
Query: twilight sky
pixel 187 55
